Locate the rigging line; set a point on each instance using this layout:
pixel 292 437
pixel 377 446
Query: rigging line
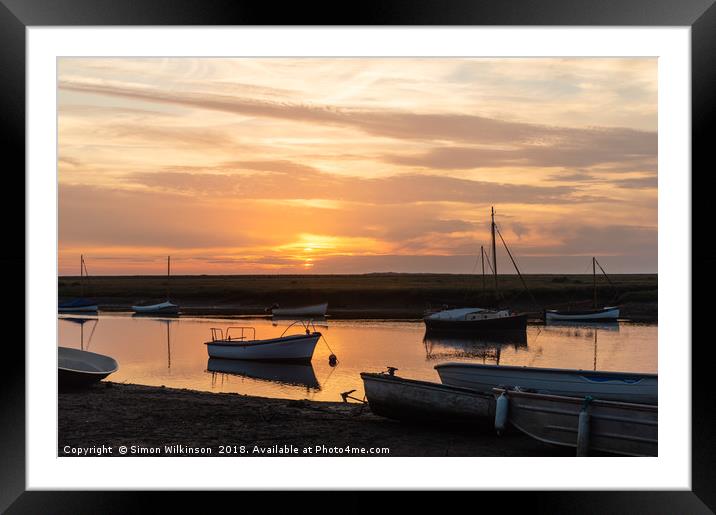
pixel 605 274
pixel 519 274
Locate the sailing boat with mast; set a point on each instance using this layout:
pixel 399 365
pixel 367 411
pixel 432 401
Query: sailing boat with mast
pixel 162 308
pixel 478 320
pixel 81 304
pixel 595 314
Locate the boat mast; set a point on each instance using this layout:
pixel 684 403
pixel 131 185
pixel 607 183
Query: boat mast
pixel 594 281
pixel 82 282
pixel 494 250
pixel 168 272
pixel 482 258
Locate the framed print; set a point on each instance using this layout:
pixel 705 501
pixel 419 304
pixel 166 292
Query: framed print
pixel 455 239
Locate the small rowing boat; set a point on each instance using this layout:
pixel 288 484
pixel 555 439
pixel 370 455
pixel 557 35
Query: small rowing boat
pixel 616 386
pixel 241 343
pixel 315 310
pixel 78 368
pixel 622 428
pixel 409 399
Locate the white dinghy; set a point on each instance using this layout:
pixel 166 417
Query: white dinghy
pixel 241 343
pixel 78 368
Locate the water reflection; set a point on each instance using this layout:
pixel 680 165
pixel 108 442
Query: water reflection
pixel 485 349
pixel 169 351
pixel 281 373
pixel 81 321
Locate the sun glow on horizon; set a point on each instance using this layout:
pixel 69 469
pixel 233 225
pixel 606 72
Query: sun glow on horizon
pixel 250 165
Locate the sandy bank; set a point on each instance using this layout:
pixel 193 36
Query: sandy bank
pixel 166 421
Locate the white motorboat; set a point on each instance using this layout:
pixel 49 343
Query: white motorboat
pixel 77 368
pixel 606 426
pixel 409 399
pixel 315 310
pixel 616 386
pixel 242 344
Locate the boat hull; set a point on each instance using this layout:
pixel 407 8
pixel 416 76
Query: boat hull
pixel 295 348
pixel 318 310
pixel 500 325
pixel 616 386
pixel 614 427
pixel 423 401
pixel 78 306
pixel 78 368
pixel 597 315
pixel 164 308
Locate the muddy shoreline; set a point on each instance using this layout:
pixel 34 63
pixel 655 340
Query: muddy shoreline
pixel 159 421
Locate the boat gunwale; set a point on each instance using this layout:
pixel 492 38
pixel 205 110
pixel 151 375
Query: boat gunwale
pixel 378 376
pixel 93 372
pixel 252 343
pixel 575 400
pixel 581 372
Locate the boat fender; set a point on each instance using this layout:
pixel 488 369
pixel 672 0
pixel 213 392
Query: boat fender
pixel 501 410
pixel 583 428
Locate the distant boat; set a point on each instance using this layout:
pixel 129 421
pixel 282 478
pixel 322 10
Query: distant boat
pixel 616 386
pixel 166 308
pixel 160 308
pixel 585 315
pixel 317 310
pixel 79 305
pixel 296 348
pixel 409 399
pixel 614 427
pixel 293 374
pixel 78 368
pixel 467 321
pixel 475 320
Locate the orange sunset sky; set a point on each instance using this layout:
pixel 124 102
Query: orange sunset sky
pixel 260 165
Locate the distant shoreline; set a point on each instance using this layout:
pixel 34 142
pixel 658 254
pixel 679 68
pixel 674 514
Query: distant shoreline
pixel 380 295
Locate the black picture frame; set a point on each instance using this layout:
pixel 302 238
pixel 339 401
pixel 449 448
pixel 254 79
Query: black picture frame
pixel 700 15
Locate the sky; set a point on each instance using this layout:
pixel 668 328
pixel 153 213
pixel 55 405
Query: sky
pixel 326 165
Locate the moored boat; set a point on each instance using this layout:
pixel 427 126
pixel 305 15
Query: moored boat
pixel 622 428
pixel 409 399
pixel 595 314
pixel 78 368
pixel 467 321
pixel 480 321
pixel 618 386
pixel 81 304
pixel 292 348
pixel 161 308
pixel 585 315
pixel 317 310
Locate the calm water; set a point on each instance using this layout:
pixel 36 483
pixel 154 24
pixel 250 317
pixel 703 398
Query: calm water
pixel 171 352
